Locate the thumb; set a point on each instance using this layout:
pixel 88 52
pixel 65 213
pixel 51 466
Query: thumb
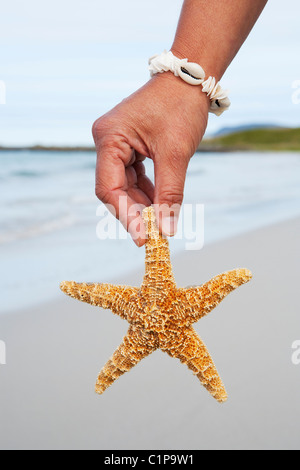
pixel 170 173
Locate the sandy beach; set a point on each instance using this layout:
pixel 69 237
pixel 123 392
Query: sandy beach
pixel 55 351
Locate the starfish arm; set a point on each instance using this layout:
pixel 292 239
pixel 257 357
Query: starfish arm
pixel 158 269
pixel 199 301
pixel 190 350
pixel 136 345
pixel 119 299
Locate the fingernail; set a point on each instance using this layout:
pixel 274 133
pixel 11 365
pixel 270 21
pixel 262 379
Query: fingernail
pixel 139 242
pixel 169 226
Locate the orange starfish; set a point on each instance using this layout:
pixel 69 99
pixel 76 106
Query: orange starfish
pixel 160 314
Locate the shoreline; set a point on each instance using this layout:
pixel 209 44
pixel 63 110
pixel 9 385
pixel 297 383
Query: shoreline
pixel 56 229
pixel 55 351
pixel 205 147
pixel 135 274
pixel 268 138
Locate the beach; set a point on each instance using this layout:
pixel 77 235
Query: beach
pixel 63 69
pixel 49 215
pixel 55 350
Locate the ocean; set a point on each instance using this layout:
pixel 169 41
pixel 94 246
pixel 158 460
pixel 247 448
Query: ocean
pixel 49 216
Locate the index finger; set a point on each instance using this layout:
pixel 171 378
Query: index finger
pixel 112 188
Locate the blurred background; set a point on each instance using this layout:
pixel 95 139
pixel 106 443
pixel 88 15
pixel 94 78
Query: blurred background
pixel 62 65
pixel 66 63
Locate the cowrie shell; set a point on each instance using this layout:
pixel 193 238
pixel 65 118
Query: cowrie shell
pixel 218 106
pixel 191 73
pixel 152 58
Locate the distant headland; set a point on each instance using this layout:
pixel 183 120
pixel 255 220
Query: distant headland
pixel 270 139
pixel 244 138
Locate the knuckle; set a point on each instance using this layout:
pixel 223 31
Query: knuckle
pixel 171 196
pixel 95 129
pixel 99 128
pixel 101 192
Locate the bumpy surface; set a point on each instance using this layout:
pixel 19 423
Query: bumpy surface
pixel 160 314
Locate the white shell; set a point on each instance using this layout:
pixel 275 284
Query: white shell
pixel 191 73
pixel 151 58
pixel 218 106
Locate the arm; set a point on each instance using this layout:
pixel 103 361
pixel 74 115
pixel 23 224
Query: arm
pixel 211 32
pixel 166 119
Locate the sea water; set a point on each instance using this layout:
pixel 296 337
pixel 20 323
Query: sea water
pixel 48 215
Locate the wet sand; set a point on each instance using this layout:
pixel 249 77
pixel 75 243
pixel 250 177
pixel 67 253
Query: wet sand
pixel 55 351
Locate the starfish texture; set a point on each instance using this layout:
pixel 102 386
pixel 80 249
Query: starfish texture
pixel 160 315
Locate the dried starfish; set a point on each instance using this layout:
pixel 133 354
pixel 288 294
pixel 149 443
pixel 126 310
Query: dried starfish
pixel 160 314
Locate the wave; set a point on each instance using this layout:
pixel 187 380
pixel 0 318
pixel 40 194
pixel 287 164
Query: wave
pixel 22 173
pixel 26 174
pixel 37 229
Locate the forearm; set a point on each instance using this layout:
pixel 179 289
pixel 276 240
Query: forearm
pixel 210 32
pixel 166 118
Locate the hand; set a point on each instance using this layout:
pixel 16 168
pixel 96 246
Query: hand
pixel 164 120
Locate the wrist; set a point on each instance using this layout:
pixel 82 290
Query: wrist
pixel 176 86
pixel 193 74
pixel 212 67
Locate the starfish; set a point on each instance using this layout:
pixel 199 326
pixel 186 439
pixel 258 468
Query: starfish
pixel 159 314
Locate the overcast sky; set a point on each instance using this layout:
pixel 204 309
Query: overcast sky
pixel 64 63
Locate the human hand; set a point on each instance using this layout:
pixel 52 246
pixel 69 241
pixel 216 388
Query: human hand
pixel 164 120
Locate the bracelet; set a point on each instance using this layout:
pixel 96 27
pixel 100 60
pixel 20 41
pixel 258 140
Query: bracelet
pixel 193 74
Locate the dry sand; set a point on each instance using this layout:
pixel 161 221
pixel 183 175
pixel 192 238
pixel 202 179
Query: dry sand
pixel 54 354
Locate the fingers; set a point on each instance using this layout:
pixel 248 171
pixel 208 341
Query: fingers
pixel 170 172
pixel 121 184
pixel 143 182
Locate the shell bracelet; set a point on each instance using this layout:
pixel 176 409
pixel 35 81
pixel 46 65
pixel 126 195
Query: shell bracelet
pixel 193 74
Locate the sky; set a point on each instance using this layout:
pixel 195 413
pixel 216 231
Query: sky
pixel 65 63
